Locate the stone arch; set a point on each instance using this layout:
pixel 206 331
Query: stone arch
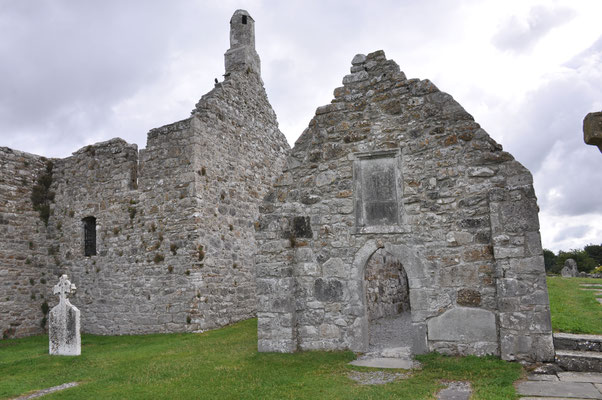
pixel 417 281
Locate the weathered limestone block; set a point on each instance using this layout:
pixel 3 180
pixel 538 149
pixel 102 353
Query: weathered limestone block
pixel 463 324
pixel 63 333
pixel 570 269
pixel 592 129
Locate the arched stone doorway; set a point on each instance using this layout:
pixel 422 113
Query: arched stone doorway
pixel 387 301
pixel 412 265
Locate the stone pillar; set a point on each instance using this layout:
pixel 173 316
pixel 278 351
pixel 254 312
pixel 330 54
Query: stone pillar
pixel 522 296
pixel 64 335
pixel 592 129
pixel 241 56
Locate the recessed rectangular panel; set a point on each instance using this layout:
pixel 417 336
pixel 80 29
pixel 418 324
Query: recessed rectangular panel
pixel 377 191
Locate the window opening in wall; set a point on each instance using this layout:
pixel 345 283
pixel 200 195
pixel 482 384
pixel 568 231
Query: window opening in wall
pixel 244 19
pixel 89 236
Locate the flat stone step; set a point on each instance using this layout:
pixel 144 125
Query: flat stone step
pixel 382 362
pixel 581 361
pixel 390 352
pixel 559 390
pixel 578 342
pixel 592 377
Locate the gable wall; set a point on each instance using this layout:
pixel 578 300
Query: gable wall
pixel 449 168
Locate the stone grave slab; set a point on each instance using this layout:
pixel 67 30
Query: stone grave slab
pixel 64 322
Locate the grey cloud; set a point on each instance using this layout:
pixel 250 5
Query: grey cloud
pixel 521 35
pixel 546 135
pixel 66 64
pixel 573 186
pixel 574 232
pixel 550 114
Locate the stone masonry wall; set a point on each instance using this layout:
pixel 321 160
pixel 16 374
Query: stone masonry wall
pixel 99 181
pixel 175 234
pixel 175 222
pixel 397 164
pixel 23 247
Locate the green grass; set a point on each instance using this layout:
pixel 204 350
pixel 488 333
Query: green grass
pixel 574 310
pixel 225 364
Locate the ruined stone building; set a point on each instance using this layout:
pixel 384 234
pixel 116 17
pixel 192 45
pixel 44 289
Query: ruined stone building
pixel 395 221
pixel 399 222
pixel 156 240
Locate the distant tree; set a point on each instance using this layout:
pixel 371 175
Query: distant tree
pixel 584 262
pixel 595 252
pixel 549 259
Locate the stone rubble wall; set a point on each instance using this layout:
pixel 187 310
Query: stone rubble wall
pixel 99 180
pixel 175 232
pixel 311 258
pixel 24 247
pixel 175 221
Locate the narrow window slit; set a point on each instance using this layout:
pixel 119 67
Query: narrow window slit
pixel 89 236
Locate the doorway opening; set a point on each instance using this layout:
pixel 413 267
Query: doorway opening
pixel 387 302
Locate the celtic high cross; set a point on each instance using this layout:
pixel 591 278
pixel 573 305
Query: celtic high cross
pixel 63 288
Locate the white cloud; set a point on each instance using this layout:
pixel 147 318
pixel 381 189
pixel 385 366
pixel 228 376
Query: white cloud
pixel 521 33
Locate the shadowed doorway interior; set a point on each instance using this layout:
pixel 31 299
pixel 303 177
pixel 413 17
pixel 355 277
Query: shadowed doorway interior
pixel 387 302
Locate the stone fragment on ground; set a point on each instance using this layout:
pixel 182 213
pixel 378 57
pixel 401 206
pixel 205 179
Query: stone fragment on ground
pixel 562 390
pixel 376 377
pixel 44 392
pixel 456 390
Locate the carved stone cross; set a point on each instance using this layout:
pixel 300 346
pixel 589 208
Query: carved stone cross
pixel 63 322
pixel 63 288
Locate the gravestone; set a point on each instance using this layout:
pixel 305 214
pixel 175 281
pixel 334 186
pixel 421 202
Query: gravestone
pixel 63 334
pixel 570 269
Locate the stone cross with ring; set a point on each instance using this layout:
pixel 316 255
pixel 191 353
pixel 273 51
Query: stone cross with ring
pixel 63 288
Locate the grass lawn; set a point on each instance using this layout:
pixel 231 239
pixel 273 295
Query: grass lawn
pixel 574 310
pixel 224 364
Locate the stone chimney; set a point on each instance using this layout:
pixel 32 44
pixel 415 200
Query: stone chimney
pixel 242 55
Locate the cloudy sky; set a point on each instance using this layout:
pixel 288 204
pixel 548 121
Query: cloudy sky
pixel 75 72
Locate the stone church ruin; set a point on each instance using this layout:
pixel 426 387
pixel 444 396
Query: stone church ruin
pixel 395 221
pixel 399 222
pixel 156 240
